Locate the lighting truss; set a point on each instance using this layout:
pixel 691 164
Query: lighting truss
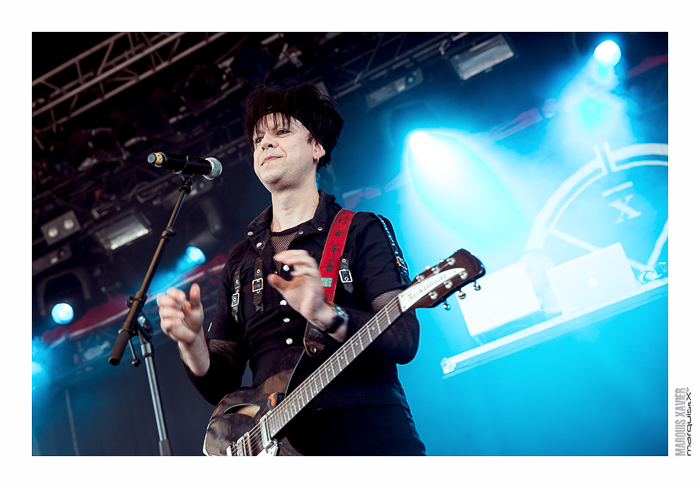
pixel 125 59
pixel 349 61
pixel 381 55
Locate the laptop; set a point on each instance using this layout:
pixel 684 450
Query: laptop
pixel 506 296
pixel 591 278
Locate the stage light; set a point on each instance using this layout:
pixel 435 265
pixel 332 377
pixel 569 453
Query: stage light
pixel 454 181
pixel 122 231
pixel 36 368
pixel 62 313
pixel 591 112
pixel 411 80
pixel 409 117
pixel 72 285
pixel 607 54
pixel 168 276
pixel 433 156
pixel 42 360
pixel 61 227
pixel 194 255
pixel 482 57
pixel 420 143
pixel 51 259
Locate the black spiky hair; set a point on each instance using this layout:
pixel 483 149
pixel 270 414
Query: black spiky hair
pixel 306 103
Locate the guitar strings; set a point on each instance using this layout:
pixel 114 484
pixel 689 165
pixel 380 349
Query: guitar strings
pixel 382 319
pixel 304 387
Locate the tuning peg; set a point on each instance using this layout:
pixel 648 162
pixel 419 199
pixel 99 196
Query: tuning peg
pixel 446 306
pixel 461 295
pixel 477 287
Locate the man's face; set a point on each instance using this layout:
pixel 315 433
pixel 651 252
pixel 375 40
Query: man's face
pixel 283 156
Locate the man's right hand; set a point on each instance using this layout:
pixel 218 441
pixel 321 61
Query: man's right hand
pixel 182 321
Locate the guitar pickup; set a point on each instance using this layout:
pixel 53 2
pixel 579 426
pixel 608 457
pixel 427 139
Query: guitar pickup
pixel 265 433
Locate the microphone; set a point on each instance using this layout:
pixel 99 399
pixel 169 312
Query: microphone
pixel 211 168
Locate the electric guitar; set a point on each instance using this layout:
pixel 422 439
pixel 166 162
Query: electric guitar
pixel 249 421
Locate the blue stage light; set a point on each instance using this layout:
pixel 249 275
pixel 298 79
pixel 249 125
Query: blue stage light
pixel 62 313
pixel 420 142
pixel 41 364
pixel 607 54
pixel 194 255
pixel 456 184
pixel 591 112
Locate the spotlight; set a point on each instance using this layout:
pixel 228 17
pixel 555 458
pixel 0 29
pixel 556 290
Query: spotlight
pixel 480 58
pixel 36 368
pixel 60 227
pixel 594 112
pixel 122 231
pixel 411 80
pixel 407 118
pixel 607 54
pixel 71 285
pixel 42 362
pixel 62 313
pixel 194 255
pixel 51 259
pixel 420 142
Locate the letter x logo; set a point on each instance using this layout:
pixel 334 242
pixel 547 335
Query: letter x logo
pixel 624 208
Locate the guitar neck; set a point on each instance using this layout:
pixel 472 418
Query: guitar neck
pixel 331 367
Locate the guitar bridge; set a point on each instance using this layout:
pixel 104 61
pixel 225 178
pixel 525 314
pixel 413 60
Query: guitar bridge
pixel 241 444
pixel 244 447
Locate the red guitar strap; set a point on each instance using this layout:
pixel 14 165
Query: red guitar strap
pixel 335 244
pixel 329 271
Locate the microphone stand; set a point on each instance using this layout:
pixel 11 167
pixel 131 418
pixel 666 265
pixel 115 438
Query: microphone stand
pixel 136 322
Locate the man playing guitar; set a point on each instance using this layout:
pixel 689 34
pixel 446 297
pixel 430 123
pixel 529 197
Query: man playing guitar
pixel 272 286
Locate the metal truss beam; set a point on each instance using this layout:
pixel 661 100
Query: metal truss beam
pixel 388 52
pixel 106 70
pixel 126 59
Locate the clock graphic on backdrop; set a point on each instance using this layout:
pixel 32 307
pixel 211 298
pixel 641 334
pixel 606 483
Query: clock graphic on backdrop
pixel 619 196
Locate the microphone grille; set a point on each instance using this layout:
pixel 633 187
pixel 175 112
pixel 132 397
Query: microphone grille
pixel 216 169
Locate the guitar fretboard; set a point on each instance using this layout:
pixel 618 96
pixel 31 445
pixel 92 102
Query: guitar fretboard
pixel 331 367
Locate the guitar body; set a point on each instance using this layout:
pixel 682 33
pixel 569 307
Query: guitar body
pixel 251 421
pixel 239 412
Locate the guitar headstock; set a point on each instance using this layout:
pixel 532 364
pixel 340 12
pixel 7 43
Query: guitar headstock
pixel 438 282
